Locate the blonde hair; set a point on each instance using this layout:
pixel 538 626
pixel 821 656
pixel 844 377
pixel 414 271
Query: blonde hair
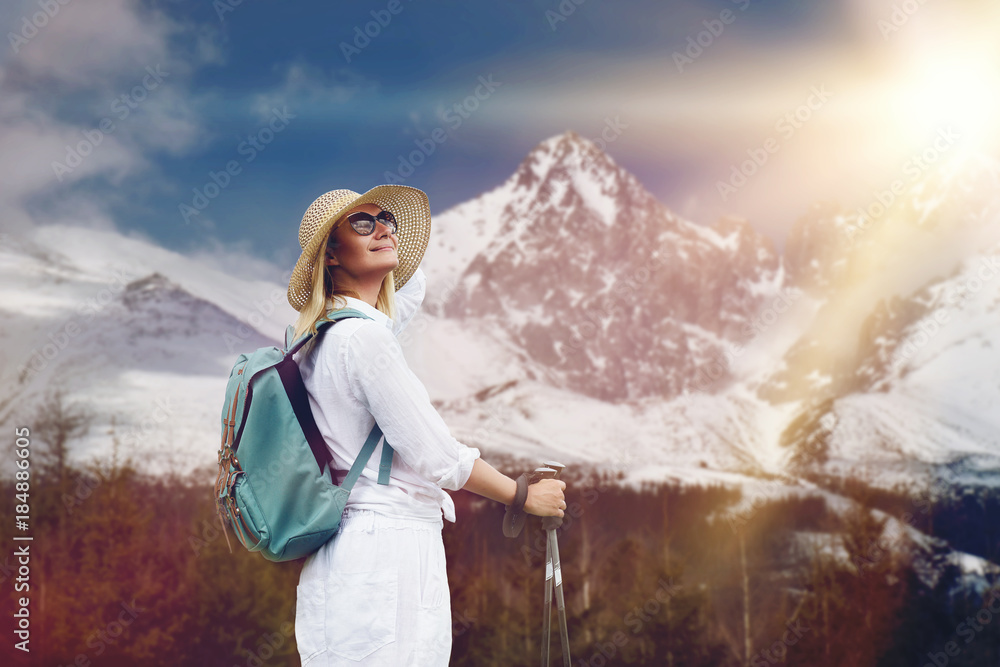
pixel 324 289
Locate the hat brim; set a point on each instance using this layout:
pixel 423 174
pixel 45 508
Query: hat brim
pixel 413 217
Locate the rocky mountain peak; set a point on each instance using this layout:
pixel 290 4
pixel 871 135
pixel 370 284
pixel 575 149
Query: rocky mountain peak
pixel 600 282
pixel 831 247
pixel 571 171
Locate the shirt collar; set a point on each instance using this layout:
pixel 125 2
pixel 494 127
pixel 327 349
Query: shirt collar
pixel 364 307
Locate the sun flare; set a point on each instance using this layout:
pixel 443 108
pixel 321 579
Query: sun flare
pixel 958 89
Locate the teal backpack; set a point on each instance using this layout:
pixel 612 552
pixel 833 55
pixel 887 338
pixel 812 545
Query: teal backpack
pixel 275 485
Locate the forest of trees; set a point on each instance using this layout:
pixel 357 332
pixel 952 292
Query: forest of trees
pixel 132 570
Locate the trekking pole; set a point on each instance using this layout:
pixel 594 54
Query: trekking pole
pixel 553 575
pixel 545 472
pixel 513 522
pixel 551 524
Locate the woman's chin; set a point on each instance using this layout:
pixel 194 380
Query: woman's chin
pixel 388 264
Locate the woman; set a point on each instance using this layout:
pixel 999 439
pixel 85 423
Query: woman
pixel 377 593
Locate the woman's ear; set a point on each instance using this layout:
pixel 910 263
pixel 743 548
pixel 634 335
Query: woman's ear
pixel 330 259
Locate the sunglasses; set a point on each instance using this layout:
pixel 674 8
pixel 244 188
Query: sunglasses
pixel 364 223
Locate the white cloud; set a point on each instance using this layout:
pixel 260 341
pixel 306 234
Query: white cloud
pixel 30 140
pixel 305 85
pixel 90 44
pixel 239 260
pixel 127 69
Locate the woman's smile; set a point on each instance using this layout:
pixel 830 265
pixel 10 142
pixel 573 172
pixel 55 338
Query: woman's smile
pixel 348 258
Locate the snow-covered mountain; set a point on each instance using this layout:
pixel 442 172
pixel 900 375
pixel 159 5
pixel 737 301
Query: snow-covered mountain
pixel 899 366
pixel 570 315
pixel 139 337
pixel 795 347
pixel 922 389
pixel 604 287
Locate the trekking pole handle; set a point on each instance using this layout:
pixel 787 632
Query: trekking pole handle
pixel 542 472
pixel 513 520
pixel 552 465
pixel 548 470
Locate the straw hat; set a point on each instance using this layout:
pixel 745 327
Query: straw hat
pixel 413 217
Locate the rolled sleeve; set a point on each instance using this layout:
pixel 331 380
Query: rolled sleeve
pixel 381 380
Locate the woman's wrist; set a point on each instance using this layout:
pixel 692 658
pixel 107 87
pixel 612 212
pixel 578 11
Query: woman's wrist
pixel 488 482
pixel 514 517
pixel 520 494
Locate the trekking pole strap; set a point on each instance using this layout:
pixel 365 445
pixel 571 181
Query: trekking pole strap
pixel 513 519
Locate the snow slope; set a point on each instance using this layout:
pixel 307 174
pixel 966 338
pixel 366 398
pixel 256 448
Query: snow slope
pixel 708 357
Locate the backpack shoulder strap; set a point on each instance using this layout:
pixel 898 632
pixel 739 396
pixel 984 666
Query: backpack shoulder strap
pixel 385 466
pixel 298 398
pixel 292 347
pixel 295 388
pixel 359 463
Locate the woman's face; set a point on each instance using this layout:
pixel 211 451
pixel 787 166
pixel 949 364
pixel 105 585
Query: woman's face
pixel 357 260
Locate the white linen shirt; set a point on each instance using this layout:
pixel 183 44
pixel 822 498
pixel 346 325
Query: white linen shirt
pixel 356 376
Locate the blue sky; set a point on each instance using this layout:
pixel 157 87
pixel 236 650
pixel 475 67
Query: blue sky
pixel 697 88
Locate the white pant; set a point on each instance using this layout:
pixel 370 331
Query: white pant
pixel 376 594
